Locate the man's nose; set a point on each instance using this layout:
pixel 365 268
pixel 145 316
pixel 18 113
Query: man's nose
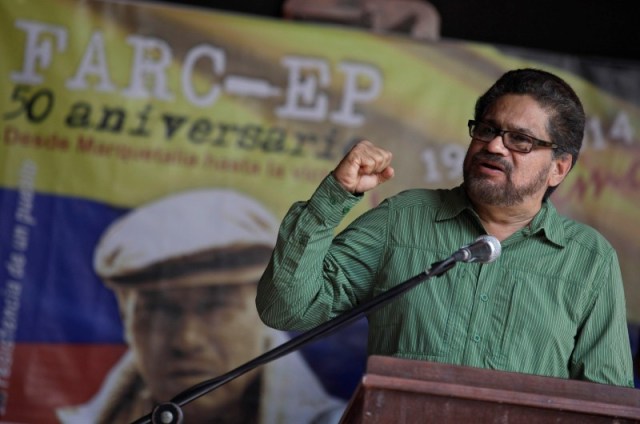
pixel 496 145
pixel 187 333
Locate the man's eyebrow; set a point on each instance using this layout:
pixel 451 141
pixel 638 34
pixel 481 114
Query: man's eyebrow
pixel 523 130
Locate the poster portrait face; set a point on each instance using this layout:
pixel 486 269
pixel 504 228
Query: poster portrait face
pixel 184 336
pixel 184 268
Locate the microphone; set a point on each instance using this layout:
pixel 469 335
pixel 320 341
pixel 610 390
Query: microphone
pixel 485 249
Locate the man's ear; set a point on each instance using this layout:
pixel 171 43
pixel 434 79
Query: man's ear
pixel 560 168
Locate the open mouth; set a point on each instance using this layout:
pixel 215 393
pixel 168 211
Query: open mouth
pixel 490 163
pixel 492 166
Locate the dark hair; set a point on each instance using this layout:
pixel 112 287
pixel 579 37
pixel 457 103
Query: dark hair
pixel 566 114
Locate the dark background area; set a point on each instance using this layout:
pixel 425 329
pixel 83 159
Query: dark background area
pixel 595 29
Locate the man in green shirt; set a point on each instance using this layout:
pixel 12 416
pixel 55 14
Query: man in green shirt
pixel 552 304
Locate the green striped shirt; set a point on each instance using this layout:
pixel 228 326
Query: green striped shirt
pixel 552 304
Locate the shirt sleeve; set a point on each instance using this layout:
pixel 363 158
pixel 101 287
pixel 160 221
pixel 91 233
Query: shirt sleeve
pixel 602 353
pixel 314 276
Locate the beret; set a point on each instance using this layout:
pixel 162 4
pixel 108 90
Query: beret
pixel 205 236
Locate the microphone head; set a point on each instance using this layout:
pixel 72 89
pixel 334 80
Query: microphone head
pixel 491 251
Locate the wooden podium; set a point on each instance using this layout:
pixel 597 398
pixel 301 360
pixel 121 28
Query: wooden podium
pixel 398 391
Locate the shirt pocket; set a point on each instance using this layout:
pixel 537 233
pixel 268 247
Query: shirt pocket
pixel 535 324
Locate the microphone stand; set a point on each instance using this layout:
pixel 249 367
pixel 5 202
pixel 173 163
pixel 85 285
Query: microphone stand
pixel 171 413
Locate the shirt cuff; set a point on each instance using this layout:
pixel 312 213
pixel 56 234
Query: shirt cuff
pixel 331 202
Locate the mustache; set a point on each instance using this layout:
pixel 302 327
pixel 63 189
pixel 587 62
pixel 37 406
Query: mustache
pixel 486 157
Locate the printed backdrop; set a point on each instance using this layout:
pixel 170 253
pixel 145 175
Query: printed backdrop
pixel 107 106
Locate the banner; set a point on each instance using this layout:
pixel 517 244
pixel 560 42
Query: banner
pixel 120 120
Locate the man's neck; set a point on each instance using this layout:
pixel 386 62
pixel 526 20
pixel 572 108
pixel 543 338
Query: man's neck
pixel 503 221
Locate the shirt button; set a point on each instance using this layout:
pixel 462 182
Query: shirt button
pixel 477 338
pixel 484 297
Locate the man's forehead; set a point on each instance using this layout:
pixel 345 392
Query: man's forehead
pixel 193 299
pixel 519 111
pixel 194 276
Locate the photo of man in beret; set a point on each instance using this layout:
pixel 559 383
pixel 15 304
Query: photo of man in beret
pixel 184 270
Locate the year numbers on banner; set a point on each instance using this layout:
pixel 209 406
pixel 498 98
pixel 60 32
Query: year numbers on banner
pixel 443 163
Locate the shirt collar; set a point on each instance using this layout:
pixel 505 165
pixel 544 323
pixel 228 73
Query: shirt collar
pixel 546 223
pixel 454 202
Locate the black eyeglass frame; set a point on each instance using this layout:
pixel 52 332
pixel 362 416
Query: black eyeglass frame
pixel 500 132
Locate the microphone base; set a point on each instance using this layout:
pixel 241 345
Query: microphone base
pixel 167 413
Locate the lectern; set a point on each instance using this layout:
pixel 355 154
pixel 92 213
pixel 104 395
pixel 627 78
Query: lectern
pixel 401 391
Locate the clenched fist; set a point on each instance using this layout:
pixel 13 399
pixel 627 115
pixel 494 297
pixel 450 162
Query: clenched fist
pixel 364 167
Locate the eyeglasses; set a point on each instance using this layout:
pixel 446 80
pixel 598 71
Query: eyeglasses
pixel 513 140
